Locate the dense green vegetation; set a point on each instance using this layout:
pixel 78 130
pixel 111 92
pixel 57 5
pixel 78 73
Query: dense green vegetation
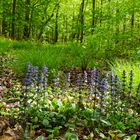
pixel 69 69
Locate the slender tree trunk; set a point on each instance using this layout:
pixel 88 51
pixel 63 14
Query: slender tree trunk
pixel 56 25
pixel 72 36
pixel 65 31
pixel 27 19
pixel 132 20
pixel 101 13
pixel 133 15
pixel 133 23
pixel 78 29
pixel 4 22
pixel 117 24
pixel 13 19
pixel 109 23
pixel 93 15
pixel 4 26
pixel 82 20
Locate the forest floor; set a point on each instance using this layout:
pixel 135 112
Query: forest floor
pixel 10 91
pixel 8 127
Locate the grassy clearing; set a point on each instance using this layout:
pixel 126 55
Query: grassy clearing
pixel 59 56
pixel 119 66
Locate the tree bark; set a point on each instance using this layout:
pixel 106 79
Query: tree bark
pixel 117 25
pixel 82 20
pixel 56 25
pixel 27 19
pixel 101 13
pixel 93 14
pixel 4 26
pixel 4 22
pixel 13 19
pixel 132 20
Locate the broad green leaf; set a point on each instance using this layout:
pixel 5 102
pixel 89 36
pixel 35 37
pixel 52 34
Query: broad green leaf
pixel 45 122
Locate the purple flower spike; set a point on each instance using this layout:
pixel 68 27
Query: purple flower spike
pixel 44 69
pixel 56 82
pixel 35 69
pixel 68 78
pixel 93 72
pixel 44 77
pixel 103 85
pixel 131 82
pixel 29 67
pixel 85 77
pixel 26 82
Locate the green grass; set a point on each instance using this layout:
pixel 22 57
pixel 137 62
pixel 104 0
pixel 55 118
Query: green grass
pixel 60 56
pixel 53 57
pixel 119 66
pixel 5 45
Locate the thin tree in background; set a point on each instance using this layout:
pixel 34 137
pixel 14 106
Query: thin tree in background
pixel 101 12
pixel 56 25
pixel 132 21
pixel 4 22
pixel 13 19
pixel 133 15
pixel 82 20
pixel 117 23
pixel 27 19
pixel 93 14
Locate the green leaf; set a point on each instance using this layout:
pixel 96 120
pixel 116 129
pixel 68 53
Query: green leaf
pixel 45 122
pixel 121 135
pixel 112 135
pixel 106 122
pixel 35 119
pixel 121 126
pixel 71 136
pixel 40 138
pixel 55 103
pixel 133 137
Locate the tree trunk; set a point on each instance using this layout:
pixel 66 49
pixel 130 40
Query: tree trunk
pixel 4 22
pixel 4 26
pixel 93 14
pixel 132 20
pixel 56 25
pixel 117 25
pixel 82 20
pixel 101 13
pixel 13 19
pixel 27 19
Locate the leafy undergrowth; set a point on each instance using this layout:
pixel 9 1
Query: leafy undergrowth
pixel 119 66
pixel 97 107
pixel 61 115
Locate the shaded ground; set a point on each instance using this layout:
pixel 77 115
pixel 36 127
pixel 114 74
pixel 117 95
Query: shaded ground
pixel 9 130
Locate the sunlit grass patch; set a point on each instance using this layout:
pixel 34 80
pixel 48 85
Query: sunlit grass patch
pixel 119 66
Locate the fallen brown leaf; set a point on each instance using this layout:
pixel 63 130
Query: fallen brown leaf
pixel 116 138
pixel 7 138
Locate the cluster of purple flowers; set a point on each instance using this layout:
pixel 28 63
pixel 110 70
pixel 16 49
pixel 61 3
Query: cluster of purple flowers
pixel 98 85
pixel 35 78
